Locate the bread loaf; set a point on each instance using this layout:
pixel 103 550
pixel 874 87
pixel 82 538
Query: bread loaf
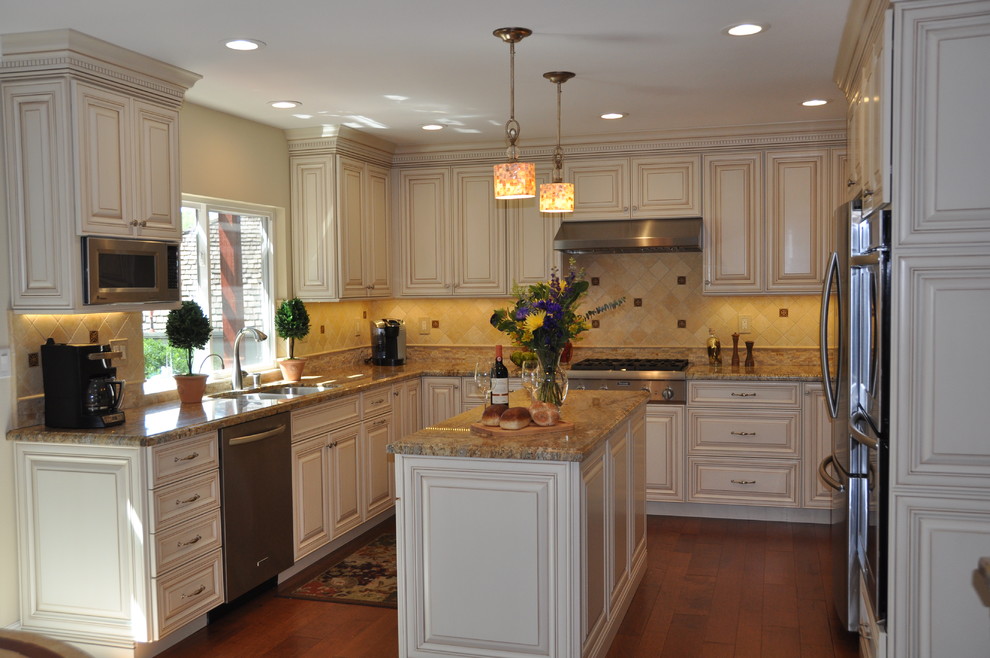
pixel 491 414
pixel 514 418
pixel 544 414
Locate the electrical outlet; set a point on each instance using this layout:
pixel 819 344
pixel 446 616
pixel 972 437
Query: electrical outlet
pixel 745 324
pixel 357 327
pixel 119 345
pixel 424 326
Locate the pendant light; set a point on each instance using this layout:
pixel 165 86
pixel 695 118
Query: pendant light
pixel 513 179
pixel 557 196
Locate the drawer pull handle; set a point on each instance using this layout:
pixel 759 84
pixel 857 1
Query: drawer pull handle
pixel 743 395
pixel 743 481
pixel 378 401
pixel 196 592
pixel 192 541
pixel 380 422
pixel 743 433
pixel 186 458
pixel 191 499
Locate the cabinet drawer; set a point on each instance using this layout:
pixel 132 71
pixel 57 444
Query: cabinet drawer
pixel 744 394
pixel 326 416
pixel 713 480
pixel 750 434
pixel 185 541
pixel 184 500
pixel 173 461
pixel 188 592
pixel 377 401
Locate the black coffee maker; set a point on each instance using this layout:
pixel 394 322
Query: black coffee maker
pixel 81 388
pixel 388 342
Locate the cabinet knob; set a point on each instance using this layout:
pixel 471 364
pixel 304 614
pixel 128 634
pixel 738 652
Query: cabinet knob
pixel 868 192
pixel 134 222
pixel 143 223
pixel 625 208
pixel 635 208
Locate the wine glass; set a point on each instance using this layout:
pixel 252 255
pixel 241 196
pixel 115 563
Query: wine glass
pixel 483 380
pixel 528 375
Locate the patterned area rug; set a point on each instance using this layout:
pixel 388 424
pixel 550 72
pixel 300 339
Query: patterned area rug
pixel 365 577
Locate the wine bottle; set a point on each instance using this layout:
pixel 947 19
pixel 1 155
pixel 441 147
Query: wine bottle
pixel 500 379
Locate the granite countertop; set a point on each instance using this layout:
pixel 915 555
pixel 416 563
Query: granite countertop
pixel 169 421
pixel 593 413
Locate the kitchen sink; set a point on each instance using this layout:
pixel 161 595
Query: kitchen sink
pixel 283 392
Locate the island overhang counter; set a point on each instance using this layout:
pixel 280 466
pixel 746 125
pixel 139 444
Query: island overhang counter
pixel 528 545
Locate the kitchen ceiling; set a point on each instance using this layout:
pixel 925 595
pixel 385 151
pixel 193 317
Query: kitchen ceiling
pixel 387 67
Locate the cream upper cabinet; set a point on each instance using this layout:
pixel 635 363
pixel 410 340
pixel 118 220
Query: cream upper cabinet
pixel 129 165
pixel 641 187
pixel 314 272
pixel 767 221
pixel 869 119
pixel 531 253
pixel 364 213
pixel 733 252
pixel 92 154
pixel 452 233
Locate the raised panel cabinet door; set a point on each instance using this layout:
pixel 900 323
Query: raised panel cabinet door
pixel 943 143
pixel 378 472
pixel 441 399
pixel 840 180
pixel 479 234
pixel 345 483
pixel 817 446
pixel 733 210
pixel 797 223
pixel 351 211
pixel 44 252
pixel 424 231
pixel 666 187
pixel 595 542
pixel 104 136
pixel 310 495
pixel 156 172
pixel 313 229
pixel 665 452
pixel 378 233
pixel 601 189
pixel 531 233
pixel 619 461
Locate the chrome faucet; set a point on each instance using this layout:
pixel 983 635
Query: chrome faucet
pixel 237 377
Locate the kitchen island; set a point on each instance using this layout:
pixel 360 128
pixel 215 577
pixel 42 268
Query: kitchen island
pixel 522 545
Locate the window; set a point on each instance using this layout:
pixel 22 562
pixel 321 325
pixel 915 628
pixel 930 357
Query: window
pixel 226 259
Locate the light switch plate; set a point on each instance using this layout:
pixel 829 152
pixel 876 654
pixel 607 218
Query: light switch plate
pixel 4 362
pixel 119 345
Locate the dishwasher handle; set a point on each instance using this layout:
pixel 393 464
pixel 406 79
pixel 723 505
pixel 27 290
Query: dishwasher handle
pixel 259 436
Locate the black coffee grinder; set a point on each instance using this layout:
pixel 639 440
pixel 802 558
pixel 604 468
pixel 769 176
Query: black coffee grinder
pixel 81 388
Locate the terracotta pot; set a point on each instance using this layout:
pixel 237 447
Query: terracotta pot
pixel 191 388
pixel 292 369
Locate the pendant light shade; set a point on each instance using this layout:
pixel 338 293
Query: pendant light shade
pixel 557 196
pixel 513 179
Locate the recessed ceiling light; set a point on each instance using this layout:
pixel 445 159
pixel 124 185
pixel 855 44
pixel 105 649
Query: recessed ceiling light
pixel 285 105
pixel 745 29
pixel 396 97
pixel 614 115
pixel 244 44
pixel 303 116
pixel 433 126
pixel 814 102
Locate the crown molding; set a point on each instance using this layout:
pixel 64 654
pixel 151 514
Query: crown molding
pixel 340 140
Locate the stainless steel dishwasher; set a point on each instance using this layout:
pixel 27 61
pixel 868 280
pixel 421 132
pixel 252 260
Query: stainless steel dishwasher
pixel 256 489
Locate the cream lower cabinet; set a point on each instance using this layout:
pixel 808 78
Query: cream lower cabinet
pixel 341 473
pixel 816 446
pixel 665 452
pixel 744 443
pixel 409 398
pixel 119 546
pixel 520 558
pixel 441 399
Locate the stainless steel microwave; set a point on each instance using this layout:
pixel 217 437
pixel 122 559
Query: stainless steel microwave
pixel 123 271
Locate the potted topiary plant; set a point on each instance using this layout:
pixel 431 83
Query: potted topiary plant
pixel 188 328
pixel 291 323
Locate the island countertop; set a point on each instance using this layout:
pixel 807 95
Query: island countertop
pixel 593 413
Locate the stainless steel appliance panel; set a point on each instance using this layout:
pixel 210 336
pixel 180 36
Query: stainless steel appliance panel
pixel 256 486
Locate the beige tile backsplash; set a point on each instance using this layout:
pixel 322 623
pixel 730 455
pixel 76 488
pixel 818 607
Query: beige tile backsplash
pixel 346 325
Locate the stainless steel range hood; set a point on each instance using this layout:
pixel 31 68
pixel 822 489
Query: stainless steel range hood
pixel 629 236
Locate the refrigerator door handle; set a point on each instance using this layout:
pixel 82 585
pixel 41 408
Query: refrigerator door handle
pixel 827 478
pixel 862 437
pixel 831 274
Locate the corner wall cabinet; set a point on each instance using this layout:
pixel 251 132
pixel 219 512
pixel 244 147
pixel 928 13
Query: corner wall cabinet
pixel 133 554
pixel 91 148
pixel 341 216
pixel 630 188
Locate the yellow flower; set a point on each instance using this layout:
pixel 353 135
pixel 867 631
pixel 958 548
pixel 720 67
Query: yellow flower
pixel 534 320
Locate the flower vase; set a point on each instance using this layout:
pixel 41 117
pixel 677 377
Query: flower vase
pixel 551 380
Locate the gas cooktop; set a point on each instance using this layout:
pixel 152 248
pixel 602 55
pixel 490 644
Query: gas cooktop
pixel 630 368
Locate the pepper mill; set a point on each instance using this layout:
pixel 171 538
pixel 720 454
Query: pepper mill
pixel 735 349
pixel 749 354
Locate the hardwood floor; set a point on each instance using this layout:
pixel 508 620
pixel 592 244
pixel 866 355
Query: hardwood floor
pixel 713 588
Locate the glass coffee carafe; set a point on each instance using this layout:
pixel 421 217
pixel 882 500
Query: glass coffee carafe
pixel 103 395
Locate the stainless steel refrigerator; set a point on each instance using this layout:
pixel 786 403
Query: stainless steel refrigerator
pixel 855 328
